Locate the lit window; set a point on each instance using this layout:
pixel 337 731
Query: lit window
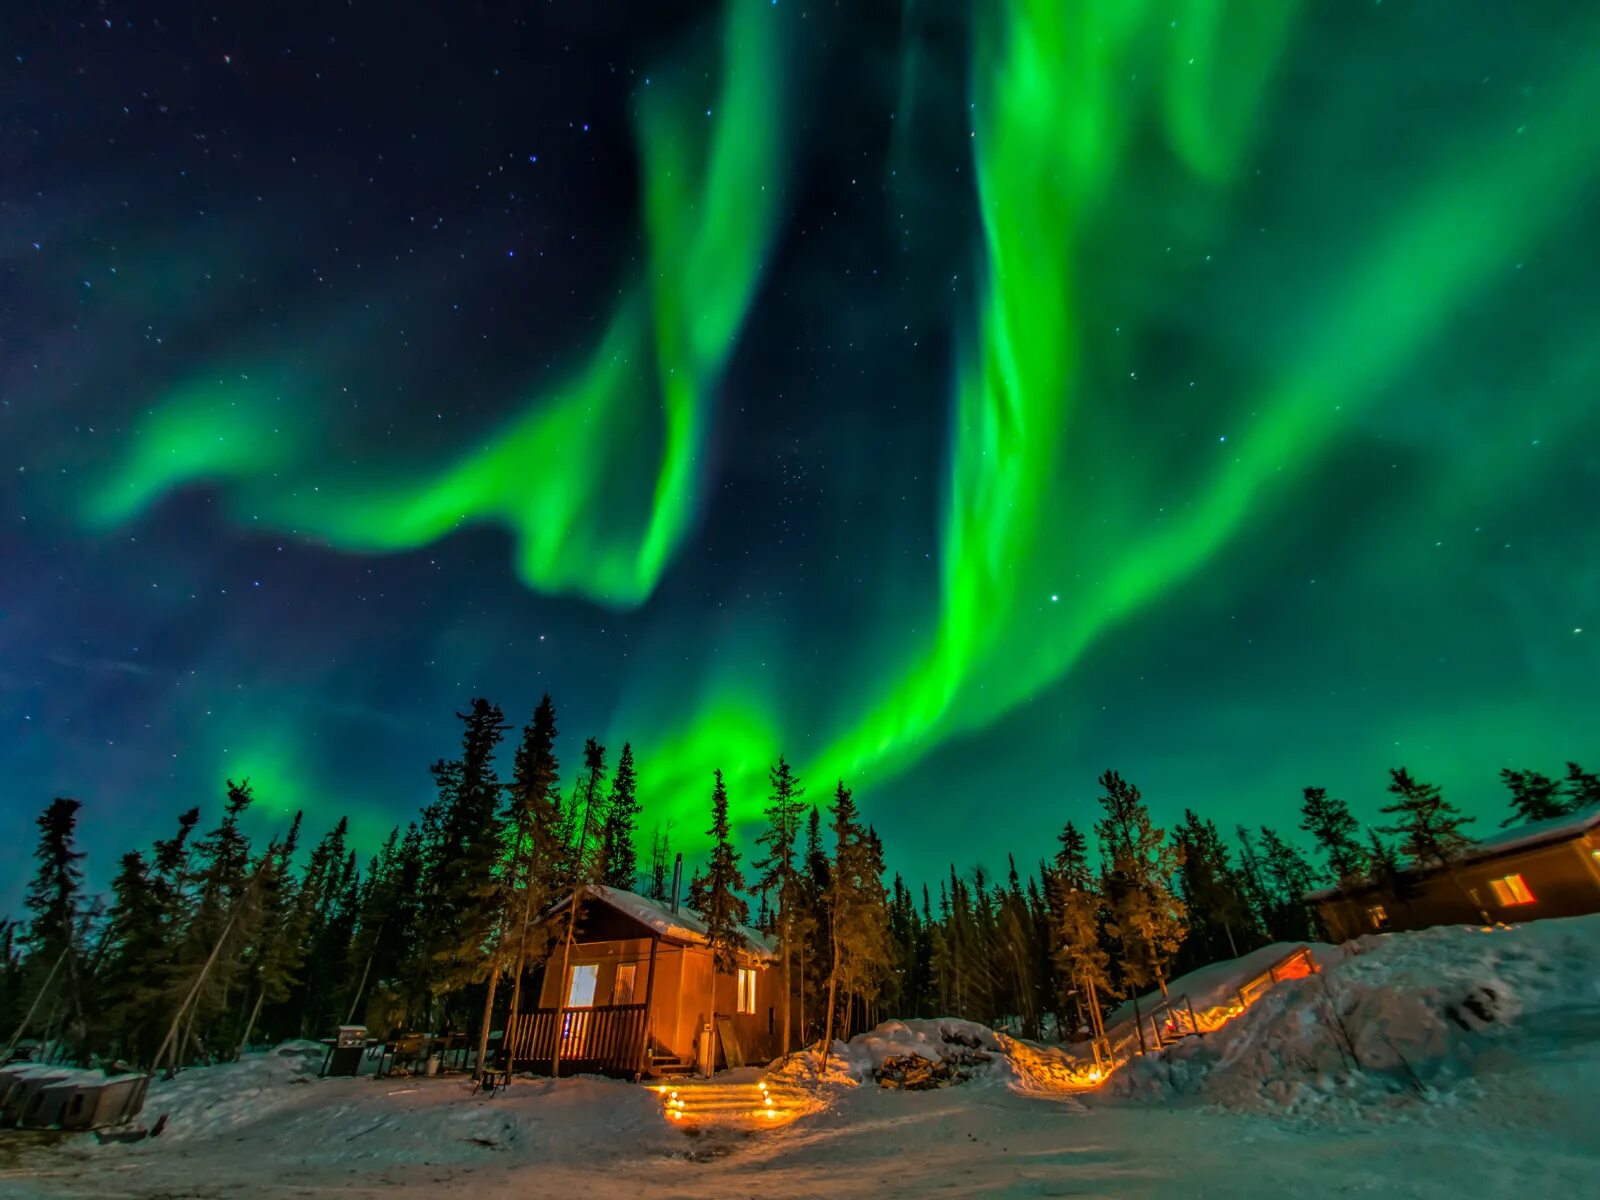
pixel 622 987
pixel 1378 915
pixel 1511 891
pixel 580 987
pixel 747 990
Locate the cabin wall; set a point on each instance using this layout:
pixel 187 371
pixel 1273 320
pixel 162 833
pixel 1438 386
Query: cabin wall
pixel 607 956
pixel 757 1031
pixel 673 1023
pixel 1564 878
pixel 694 993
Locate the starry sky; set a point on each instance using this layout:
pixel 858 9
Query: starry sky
pixel 959 399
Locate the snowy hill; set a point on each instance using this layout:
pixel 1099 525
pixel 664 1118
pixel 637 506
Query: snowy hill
pixel 1394 1018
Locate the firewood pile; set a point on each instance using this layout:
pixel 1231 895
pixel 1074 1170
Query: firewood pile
pixel 957 1062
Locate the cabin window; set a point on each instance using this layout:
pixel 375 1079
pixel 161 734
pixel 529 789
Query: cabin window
pixel 747 990
pixel 1511 891
pixel 1378 915
pixel 580 989
pixel 622 989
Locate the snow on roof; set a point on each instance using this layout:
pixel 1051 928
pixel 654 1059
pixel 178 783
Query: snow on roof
pixel 1536 833
pixel 685 925
pixel 1507 841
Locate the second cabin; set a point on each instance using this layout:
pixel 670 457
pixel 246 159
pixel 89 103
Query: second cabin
pixel 637 993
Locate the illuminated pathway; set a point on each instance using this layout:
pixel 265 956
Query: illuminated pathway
pixel 743 1103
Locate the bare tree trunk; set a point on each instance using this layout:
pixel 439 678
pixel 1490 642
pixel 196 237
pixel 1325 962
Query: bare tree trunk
pixel 802 993
pixel 355 1000
pixel 833 991
pixel 181 1054
pixel 38 998
pixel 168 1043
pixel 250 1025
pixel 561 981
pixel 788 982
pixel 1138 1019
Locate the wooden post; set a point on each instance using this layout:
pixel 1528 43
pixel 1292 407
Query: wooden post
pixel 649 1009
pixel 561 981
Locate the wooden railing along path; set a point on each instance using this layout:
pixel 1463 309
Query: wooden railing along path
pixel 1174 1017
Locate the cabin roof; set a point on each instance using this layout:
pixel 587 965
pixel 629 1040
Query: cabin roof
pixel 686 927
pixel 1508 841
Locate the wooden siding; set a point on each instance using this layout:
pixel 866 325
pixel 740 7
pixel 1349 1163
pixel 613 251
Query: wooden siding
pixel 1564 878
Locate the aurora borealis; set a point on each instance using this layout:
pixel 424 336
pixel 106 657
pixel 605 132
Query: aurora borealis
pixel 959 399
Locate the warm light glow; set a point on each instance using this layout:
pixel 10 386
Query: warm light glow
pixel 747 990
pixel 1511 890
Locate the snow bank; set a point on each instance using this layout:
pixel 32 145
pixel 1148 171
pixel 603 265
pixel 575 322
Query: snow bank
pixel 1012 1062
pixel 1395 1018
pixel 274 1104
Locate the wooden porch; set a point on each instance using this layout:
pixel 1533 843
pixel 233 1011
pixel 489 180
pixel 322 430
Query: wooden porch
pixel 606 1039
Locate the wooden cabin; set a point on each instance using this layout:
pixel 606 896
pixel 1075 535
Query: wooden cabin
pixel 1542 869
pixel 636 993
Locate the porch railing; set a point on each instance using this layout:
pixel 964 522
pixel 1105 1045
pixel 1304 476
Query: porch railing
pixel 605 1039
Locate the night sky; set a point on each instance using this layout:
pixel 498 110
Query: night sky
pixel 961 399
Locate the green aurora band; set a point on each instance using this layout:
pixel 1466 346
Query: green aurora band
pixel 1053 125
pixel 711 203
pixel 1053 533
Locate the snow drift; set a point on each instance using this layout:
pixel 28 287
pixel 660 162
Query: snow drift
pixel 1394 1018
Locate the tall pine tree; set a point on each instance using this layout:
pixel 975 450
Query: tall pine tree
pixel 1534 797
pixel 1583 788
pixel 1147 918
pixel 779 876
pixel 622 817
pixel 1335 831
pixel 725 910
pixel 1428 825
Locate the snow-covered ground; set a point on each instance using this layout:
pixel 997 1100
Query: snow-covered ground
pixel 1448 1063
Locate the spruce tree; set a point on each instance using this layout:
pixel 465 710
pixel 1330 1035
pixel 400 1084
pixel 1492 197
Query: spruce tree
pixel 622 816
pixel 697 894
pixel 659 876
pixel 724 909
pixel 1072 857
pixel 465 885
pixel 1334 830
pixel 778 876
pixel 586 856
pixel 1583 788
pixel 52 897
pixel 1220 920
pixel 273 958
pixel 1534 797
pixel 535 800
pixel 844 905
pixel 135 942
pixel 1289 877
pixel 1147 918
pixel 1428 825
pixel 1252 879
pixel 209 957
pixel 1081 960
